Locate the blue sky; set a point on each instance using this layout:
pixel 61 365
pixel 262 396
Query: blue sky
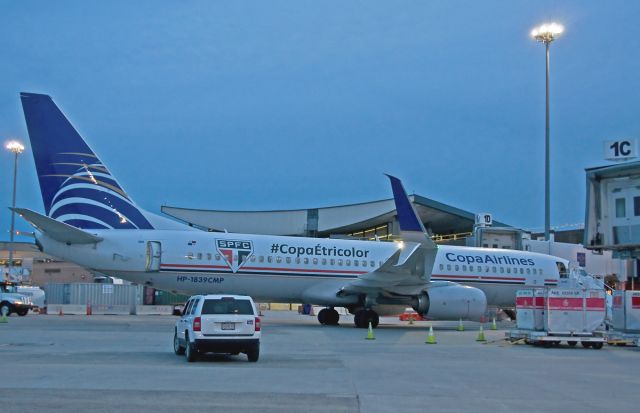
pixel 252 105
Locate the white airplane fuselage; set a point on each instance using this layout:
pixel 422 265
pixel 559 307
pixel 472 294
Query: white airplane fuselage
pixel 284 269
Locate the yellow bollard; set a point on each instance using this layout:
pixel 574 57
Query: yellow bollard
pixel 431 338
pixel 460 326
pixel 481 334
pixel 370 333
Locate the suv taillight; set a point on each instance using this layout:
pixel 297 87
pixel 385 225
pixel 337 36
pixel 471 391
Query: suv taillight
pixel 197 324
pixel 257 323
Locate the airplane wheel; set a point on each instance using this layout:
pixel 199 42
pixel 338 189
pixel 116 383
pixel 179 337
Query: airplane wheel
pixel 586 344
pixel 332 317
pixel 572 343
pixel 597 345
pixel 322 316
pixel 363 317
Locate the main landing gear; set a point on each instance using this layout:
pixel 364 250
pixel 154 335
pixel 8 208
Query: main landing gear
pixel 328 317
pixel 362 318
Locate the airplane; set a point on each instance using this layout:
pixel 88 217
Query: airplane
pixel 90 220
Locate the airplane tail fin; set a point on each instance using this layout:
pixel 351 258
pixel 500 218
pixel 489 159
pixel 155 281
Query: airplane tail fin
pixel 77 188
pixel 411 227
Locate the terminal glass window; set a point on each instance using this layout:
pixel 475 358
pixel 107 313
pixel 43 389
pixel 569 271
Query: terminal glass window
pixel 636 206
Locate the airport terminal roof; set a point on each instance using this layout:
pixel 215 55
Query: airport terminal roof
pixel 343 219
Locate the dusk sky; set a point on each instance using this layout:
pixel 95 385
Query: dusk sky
pixel 256 105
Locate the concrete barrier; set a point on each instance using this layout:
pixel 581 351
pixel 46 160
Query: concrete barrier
pixel 107 309
pixel 74 309
pixel 154 310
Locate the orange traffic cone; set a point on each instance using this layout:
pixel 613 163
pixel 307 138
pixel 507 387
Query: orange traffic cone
pixel 60 312
pixel 88 308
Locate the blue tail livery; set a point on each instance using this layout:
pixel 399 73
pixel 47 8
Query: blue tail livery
pixel 77 188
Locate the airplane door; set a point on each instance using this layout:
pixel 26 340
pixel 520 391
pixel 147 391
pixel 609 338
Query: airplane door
pixel 154 255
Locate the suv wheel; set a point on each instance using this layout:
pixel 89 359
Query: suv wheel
pixel 191 351
pixel 254 353
pixel 5 308
pixel 177 348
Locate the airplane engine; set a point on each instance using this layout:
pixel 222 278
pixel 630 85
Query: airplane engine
pixel 452 302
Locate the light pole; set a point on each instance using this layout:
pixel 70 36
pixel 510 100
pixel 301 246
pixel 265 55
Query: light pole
pixel 17 148
pixel 546 34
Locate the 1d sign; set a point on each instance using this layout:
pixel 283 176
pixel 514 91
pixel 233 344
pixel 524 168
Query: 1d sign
pixel 621 150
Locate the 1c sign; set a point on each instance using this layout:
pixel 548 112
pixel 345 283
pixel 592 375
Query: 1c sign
pixel 621 149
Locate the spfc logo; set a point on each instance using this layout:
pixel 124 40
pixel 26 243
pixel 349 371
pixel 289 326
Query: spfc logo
pixel 235 253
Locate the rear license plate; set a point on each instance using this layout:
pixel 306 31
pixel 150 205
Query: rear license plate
pixel 228 326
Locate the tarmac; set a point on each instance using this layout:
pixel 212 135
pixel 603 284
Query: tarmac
pixel 50 363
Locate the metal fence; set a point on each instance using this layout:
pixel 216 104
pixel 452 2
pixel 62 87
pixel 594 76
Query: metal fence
pixel 94 294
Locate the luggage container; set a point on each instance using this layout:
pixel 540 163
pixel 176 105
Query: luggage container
pixel 626 311
pixel 525 304
pixel 574 311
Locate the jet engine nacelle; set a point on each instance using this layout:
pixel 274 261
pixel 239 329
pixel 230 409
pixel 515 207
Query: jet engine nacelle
pixel 452 302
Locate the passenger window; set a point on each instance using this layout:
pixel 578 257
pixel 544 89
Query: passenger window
pixel 332 261
pixel 297 260
pixel 449 267
pixel 373 263
pixel 208 256
pixel 441 267
pixel 261 258
pixel 457 267
pixel 364 263
pixel 269 258
pixel 339 262
pixel 187 307
pixel 356 263
pixel 486 269
pixel 501 270
pixel 217 257
pixel 190 255
pixel 471 268
pixel 278 259
pixel 528 270
pixel 348 263
pixel 324 261
pixel 288 260
pixel 306 260
pixel 315 261
pixel 464 268
pixel 494 270
pixel 199 255
pixel 521 270
pixel 508 270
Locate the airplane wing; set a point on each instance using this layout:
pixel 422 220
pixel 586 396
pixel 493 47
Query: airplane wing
pixel 55 229
pixel 410 267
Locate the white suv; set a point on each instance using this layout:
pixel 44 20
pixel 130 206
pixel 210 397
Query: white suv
pixel 218 324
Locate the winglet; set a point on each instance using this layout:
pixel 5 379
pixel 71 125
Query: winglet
pixel 55 229
pixel 410 224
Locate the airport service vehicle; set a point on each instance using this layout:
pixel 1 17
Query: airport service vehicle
pixel 218 324
pixel 13 302
pixel 90 220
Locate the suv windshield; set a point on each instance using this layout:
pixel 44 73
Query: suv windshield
pixel 227 306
